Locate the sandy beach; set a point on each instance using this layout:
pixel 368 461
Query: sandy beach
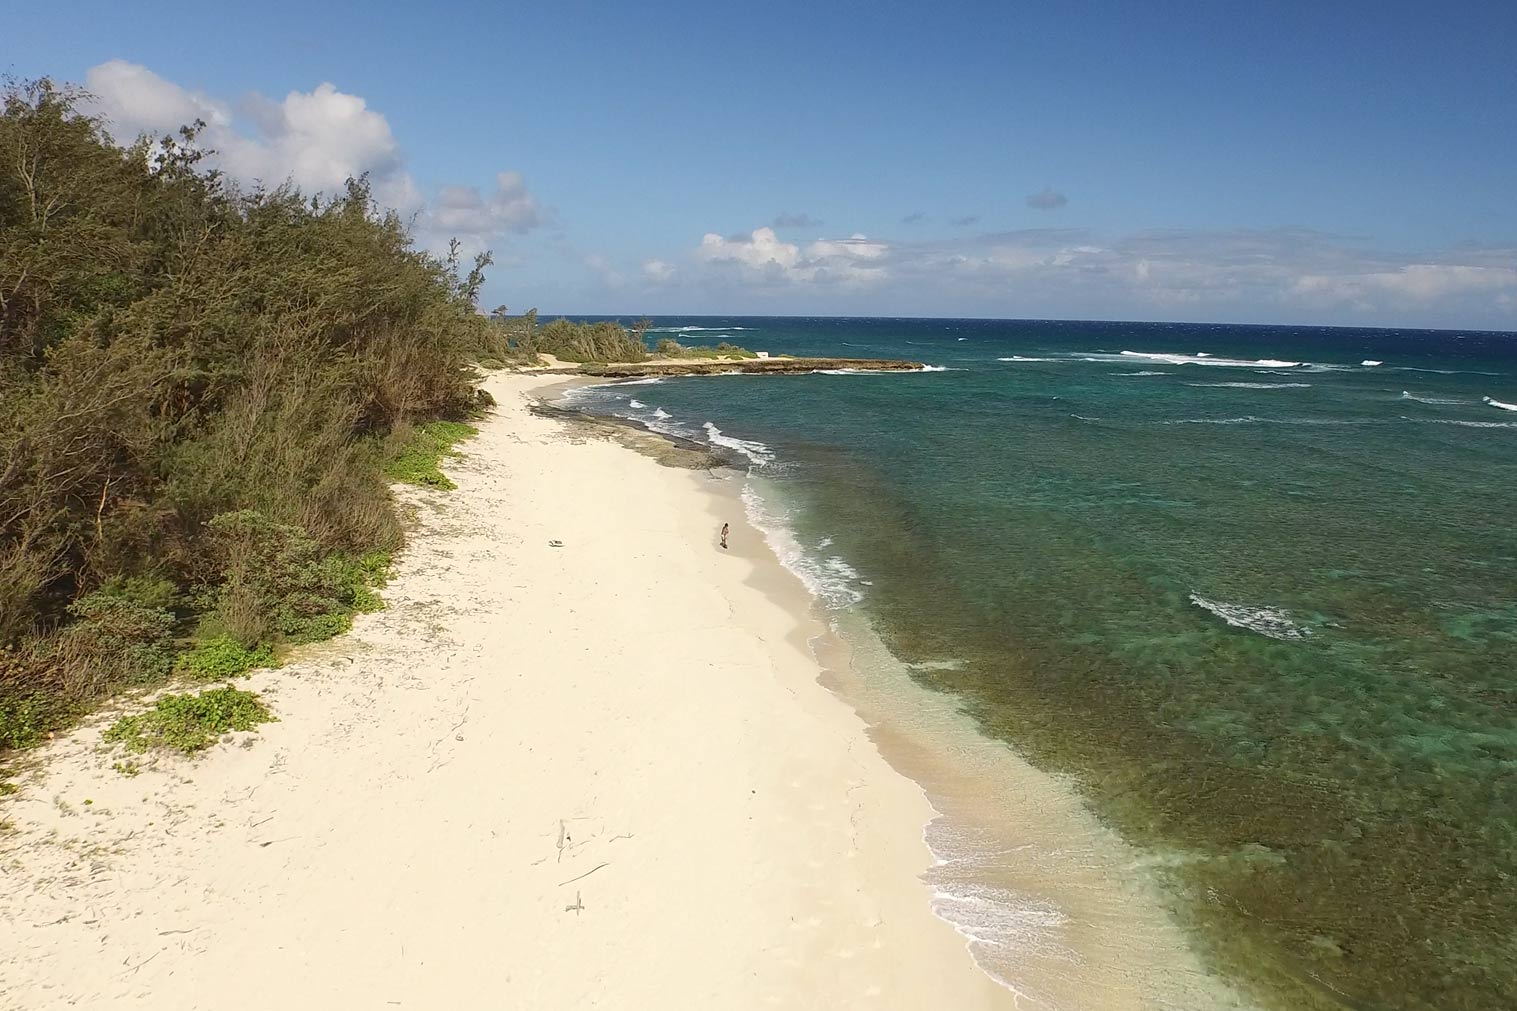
pixel 601 774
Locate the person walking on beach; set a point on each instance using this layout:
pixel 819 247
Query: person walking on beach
pixel 725 528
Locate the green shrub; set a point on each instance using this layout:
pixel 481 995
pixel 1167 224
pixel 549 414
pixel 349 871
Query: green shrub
pixel 121 635
pixel 602 341
pixel 673 349
pixel 190 723
pixel 223 658
pixel 32 700
pixel 174 350
pixel 418 453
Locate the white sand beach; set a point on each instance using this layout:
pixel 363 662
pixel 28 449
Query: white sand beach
pixel 601 774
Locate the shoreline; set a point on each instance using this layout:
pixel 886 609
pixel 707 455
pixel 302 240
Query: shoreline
pixel 1089 927
pixel 614 780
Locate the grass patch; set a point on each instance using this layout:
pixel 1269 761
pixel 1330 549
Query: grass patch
pixel 222 658
pixel 421 451
pixel 190 723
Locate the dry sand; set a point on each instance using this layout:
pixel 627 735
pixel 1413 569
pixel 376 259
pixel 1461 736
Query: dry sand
pixel 596 775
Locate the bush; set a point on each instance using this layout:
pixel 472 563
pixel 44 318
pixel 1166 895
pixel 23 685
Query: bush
pixel 174 351
pixel 122 636
pixel 271 581
pixel 673 349
pixel 32 700
pixel 604 341
pixel 190 723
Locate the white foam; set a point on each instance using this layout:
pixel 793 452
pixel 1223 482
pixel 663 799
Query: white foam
pixel 757 453
pixel 637 405
pixel 1499 404
pixel 830 579
pixel 1470 424
pixel 1256 386
pixel 660 413
pixel 694 329
pixel 1270 621
pixel 1247 419
pixel 1201 358
pixel 1406 395
pixel 645 381
pixel 1370 364
pixel 1445 372
pixel 1145 372
pixel 1023 358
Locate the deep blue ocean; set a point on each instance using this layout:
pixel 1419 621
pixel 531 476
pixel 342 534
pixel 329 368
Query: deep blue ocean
pixel 1253 588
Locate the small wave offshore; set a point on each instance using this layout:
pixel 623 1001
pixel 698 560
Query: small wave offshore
pixel 1408 395
pixel 1199 358
pixel 1268 621
pixel 1499 404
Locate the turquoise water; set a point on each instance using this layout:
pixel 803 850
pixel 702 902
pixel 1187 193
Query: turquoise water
pixel 1255 589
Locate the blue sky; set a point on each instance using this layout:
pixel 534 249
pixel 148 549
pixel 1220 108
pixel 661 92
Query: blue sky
pixel 1293 162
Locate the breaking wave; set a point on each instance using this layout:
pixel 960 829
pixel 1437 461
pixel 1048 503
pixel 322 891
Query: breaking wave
pixel 829 578
pixel 757 453
pixel 1499 404
pixel 695 329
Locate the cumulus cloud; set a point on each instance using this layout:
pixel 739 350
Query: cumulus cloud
pixel 1047 199
pixel 658 271
pixel 762 256
pixel 315 139
pixel 135 101
pixel 802 220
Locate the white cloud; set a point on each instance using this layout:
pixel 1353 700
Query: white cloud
pixel 475 218
pixel 1236 274
pixel 317 140
pixel 135 101
pixel 1417 282
pixel 761 251
pixel 658 271
pixel 762 256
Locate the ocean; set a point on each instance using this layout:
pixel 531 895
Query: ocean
pixel 1251 591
